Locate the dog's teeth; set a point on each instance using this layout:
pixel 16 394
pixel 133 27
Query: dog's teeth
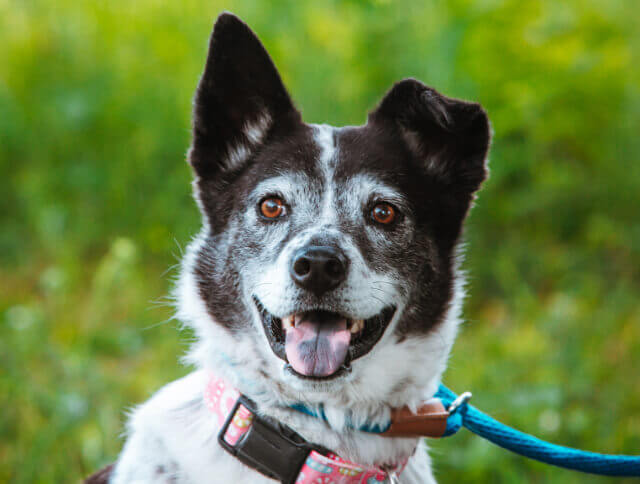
pixel 287 322
pixel 356 326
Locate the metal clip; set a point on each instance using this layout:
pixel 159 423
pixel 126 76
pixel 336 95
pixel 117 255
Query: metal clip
pixel 458 402
pixel 393 477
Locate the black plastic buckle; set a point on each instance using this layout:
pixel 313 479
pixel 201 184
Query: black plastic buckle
pixel 269 447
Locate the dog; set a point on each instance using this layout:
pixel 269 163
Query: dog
pixel 325 276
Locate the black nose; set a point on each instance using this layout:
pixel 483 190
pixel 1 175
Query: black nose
pixel 318 268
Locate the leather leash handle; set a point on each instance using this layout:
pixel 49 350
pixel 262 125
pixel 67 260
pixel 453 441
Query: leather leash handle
pixel 429 421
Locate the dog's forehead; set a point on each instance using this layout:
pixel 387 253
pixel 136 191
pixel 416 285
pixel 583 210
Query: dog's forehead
pixel 373 150
pixel 353 160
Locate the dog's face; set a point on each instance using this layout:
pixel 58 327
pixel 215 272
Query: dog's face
pixel 325 251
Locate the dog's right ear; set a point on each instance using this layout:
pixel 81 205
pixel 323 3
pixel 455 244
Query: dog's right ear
pixel 239 99
pixel 451 137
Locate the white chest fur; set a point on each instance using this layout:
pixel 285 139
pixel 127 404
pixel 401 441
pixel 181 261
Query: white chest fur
pixel 173 438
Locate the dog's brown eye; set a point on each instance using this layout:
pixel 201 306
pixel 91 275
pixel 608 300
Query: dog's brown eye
pixel 272 207
pixel 383 213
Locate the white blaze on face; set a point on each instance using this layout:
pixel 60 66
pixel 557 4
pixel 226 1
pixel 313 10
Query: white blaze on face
pixel 324 139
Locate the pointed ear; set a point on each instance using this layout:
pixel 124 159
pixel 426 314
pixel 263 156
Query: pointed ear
pixel 238 101
pixel 449 136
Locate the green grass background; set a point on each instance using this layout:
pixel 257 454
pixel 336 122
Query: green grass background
pixel 95 207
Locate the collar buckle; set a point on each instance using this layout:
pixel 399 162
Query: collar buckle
pixel 269 447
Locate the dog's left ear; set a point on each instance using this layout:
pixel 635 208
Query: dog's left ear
pixel 450 137
pixel 240 99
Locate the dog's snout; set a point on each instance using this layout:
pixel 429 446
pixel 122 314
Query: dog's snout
pixel 319 268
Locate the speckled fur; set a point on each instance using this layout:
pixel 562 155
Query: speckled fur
pixel 420 151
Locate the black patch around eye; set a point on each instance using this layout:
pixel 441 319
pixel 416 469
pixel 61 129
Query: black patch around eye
pixel 369 215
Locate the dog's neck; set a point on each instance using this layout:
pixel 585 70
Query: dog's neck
pixel 351 406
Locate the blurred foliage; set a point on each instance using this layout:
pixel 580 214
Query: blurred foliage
pixel 94 122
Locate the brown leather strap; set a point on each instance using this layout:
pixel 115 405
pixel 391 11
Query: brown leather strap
pixel 429 421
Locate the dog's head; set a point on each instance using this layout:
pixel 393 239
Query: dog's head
pixel 326 263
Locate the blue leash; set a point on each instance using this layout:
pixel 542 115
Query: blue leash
pixel 462 414
pixel 529 446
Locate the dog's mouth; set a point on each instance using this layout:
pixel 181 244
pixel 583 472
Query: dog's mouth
pixel 320 344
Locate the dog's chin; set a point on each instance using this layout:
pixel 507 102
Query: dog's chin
pixel 318 347
pixel 317 387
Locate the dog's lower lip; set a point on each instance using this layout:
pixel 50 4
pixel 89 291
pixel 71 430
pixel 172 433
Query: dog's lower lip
pixel 345 369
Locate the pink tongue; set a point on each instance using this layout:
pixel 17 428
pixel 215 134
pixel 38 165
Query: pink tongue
pixel 317 349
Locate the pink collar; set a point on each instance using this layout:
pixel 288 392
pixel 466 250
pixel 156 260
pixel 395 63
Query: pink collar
pixel 318 468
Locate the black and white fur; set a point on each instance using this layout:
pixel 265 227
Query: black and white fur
pixel 420 151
